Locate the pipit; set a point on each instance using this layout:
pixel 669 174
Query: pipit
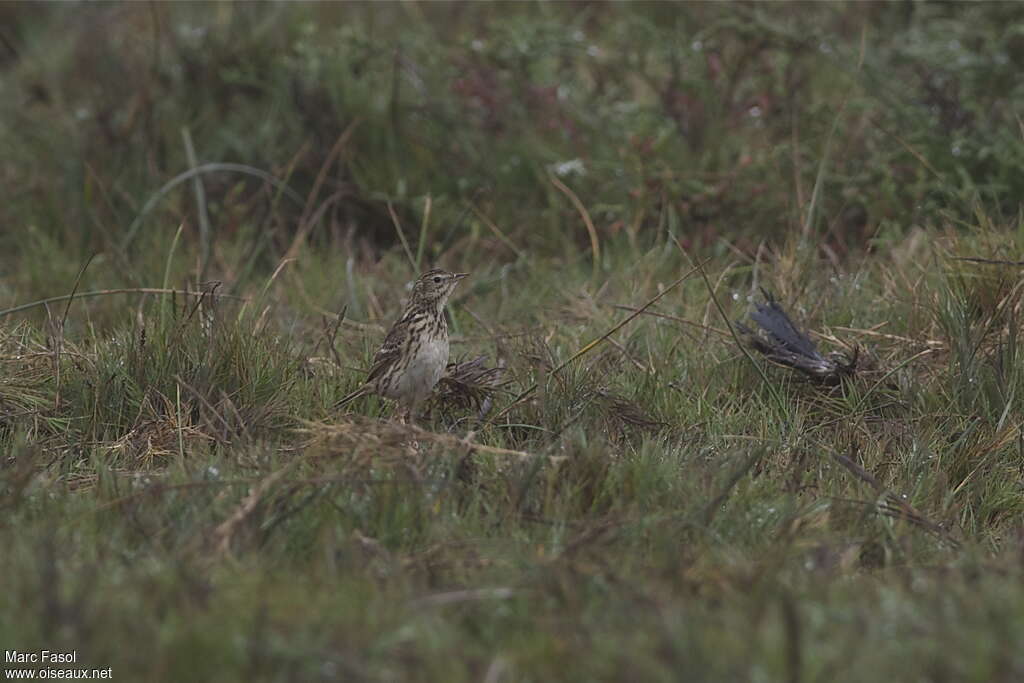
pixel 415 351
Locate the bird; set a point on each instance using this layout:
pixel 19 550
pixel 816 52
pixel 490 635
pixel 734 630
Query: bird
pixel 414 354
pixel 782 342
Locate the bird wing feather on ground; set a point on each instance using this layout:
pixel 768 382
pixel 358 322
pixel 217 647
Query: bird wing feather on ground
pixel 771 317
pixel 782 342
pixel 470 383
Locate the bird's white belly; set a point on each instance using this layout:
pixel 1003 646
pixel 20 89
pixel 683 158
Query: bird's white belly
pixel 424 371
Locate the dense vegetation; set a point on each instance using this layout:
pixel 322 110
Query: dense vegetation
pixel 210 213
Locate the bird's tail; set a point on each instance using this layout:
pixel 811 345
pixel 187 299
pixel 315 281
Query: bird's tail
pixel 361 391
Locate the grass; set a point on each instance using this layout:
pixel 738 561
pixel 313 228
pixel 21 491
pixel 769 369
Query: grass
pixel 219 206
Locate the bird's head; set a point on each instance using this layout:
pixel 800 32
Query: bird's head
pixel 435 286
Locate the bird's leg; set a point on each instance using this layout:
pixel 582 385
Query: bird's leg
pixel 411 412
pixel 406 413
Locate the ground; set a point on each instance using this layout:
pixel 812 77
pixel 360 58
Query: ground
pixel 212 213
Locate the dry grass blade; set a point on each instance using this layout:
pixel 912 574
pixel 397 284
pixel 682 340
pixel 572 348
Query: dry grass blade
pixel 224 532
pixel 59 332
pixel 712 508
pixel 202 211
pixel 626 413
pixel 455 597
pixel 109 292
pixel 305 223
pixel 595 245
pixel 401 235
pixel 380 438
pixel 674 318
pixel 615 328
pixel 988 261
pixel 191 173
pixel 502 237
pixel 893 505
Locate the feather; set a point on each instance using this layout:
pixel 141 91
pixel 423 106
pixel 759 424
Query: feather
pixel 780 341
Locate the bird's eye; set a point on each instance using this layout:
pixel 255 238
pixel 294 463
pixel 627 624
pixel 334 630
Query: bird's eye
pixel 437 278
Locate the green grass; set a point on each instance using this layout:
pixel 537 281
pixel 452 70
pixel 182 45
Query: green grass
pixel 179 500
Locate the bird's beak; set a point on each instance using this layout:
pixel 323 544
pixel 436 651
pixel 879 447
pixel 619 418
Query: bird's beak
pixel 459 276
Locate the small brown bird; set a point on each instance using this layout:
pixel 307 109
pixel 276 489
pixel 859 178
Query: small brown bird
pixel 414 354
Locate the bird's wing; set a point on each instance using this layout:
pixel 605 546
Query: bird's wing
pixel 773 319
pixel 390 350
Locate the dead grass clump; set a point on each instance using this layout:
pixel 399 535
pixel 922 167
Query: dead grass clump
pixel 624 416
pixel 363 442
pixel 152 442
